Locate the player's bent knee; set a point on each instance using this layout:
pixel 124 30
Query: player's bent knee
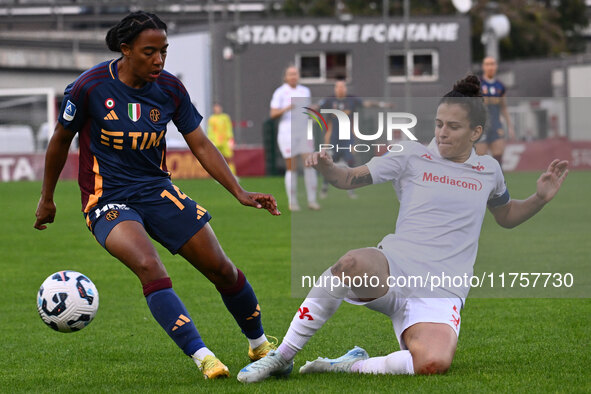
pixel 148 268
pixel 228 272
pixel 148 263
pixel 223 274
pixel 347 265
pixel 432 365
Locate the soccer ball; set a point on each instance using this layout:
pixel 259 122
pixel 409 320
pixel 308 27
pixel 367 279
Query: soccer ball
pixel 67 301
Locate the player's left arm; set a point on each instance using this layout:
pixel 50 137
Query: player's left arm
pixel 340 177
pixel 505 114
pixel 516 212
pixel 214 163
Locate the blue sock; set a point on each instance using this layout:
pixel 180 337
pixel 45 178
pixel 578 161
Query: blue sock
pixel 243 305
pixel 169 311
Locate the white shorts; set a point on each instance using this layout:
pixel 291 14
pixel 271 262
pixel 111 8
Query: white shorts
pixel 290 147
pixel 405 312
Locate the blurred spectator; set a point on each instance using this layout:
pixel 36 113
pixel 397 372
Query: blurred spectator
pixel 219 131
pixel 493 91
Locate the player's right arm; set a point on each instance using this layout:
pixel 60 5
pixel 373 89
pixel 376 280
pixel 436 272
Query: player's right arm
pixel 55 159
pixel 278 107
pixel 516 212
pixel 339 177
pixel 277 112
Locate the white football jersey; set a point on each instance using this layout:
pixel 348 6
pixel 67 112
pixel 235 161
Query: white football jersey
pixel 282 98
pixel 442 206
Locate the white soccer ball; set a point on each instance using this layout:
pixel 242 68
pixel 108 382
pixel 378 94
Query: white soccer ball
pixel 67 301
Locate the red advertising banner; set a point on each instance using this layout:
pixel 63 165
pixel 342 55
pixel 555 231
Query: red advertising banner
pixel 29 167
pixel 537 155
pixel 530 156
pixel 182 164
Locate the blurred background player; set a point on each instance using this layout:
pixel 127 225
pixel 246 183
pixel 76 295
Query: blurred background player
pixel 120 109
pixel 292 141
pixel 219 131
pixel 426 323
pixel 342 148
pixel 493 91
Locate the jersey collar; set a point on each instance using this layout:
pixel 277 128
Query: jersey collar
pixel 113 68
pixel 472 160
pixel 288 86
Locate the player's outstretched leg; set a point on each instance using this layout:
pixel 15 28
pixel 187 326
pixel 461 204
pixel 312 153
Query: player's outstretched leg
pixel 321 303
pixel 357 360
pixel 129 242
pixel 204 252
pixel 171 314
pixel 397 363
pixel 242 303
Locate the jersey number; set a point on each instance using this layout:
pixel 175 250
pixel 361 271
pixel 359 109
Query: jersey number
pixel 182 196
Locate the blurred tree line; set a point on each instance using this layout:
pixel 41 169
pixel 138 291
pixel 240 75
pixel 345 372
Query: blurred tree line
pixel 539 28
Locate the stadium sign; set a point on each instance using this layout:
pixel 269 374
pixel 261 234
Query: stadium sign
pixel 347 34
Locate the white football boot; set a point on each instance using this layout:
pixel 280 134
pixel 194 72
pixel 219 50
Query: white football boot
pixel 273 364
pixel 341 364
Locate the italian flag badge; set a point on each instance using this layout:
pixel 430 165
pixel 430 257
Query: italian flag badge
pixel 134 110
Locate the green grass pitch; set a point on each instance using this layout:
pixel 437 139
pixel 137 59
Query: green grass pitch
pixel 506 345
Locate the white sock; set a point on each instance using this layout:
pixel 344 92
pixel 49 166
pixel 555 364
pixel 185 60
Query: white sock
pixel 320 304
pixel 311 180
pixel 200 354
pixel 291 187
pixel 397 363
pixel 254 343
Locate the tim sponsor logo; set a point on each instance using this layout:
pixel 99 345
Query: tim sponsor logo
pixel 139 139
pixel 461 182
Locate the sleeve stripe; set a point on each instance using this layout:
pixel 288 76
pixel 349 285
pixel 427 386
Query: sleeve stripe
pixel 82 81
pixel 500 200
pixel 176 87
pixel 172 81
pixel 175 98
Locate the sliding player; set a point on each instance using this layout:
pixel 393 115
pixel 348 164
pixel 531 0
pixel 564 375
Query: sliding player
pixel 444 189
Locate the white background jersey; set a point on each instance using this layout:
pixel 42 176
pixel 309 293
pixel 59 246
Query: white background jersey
pixel 282 98
pixel 442 206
